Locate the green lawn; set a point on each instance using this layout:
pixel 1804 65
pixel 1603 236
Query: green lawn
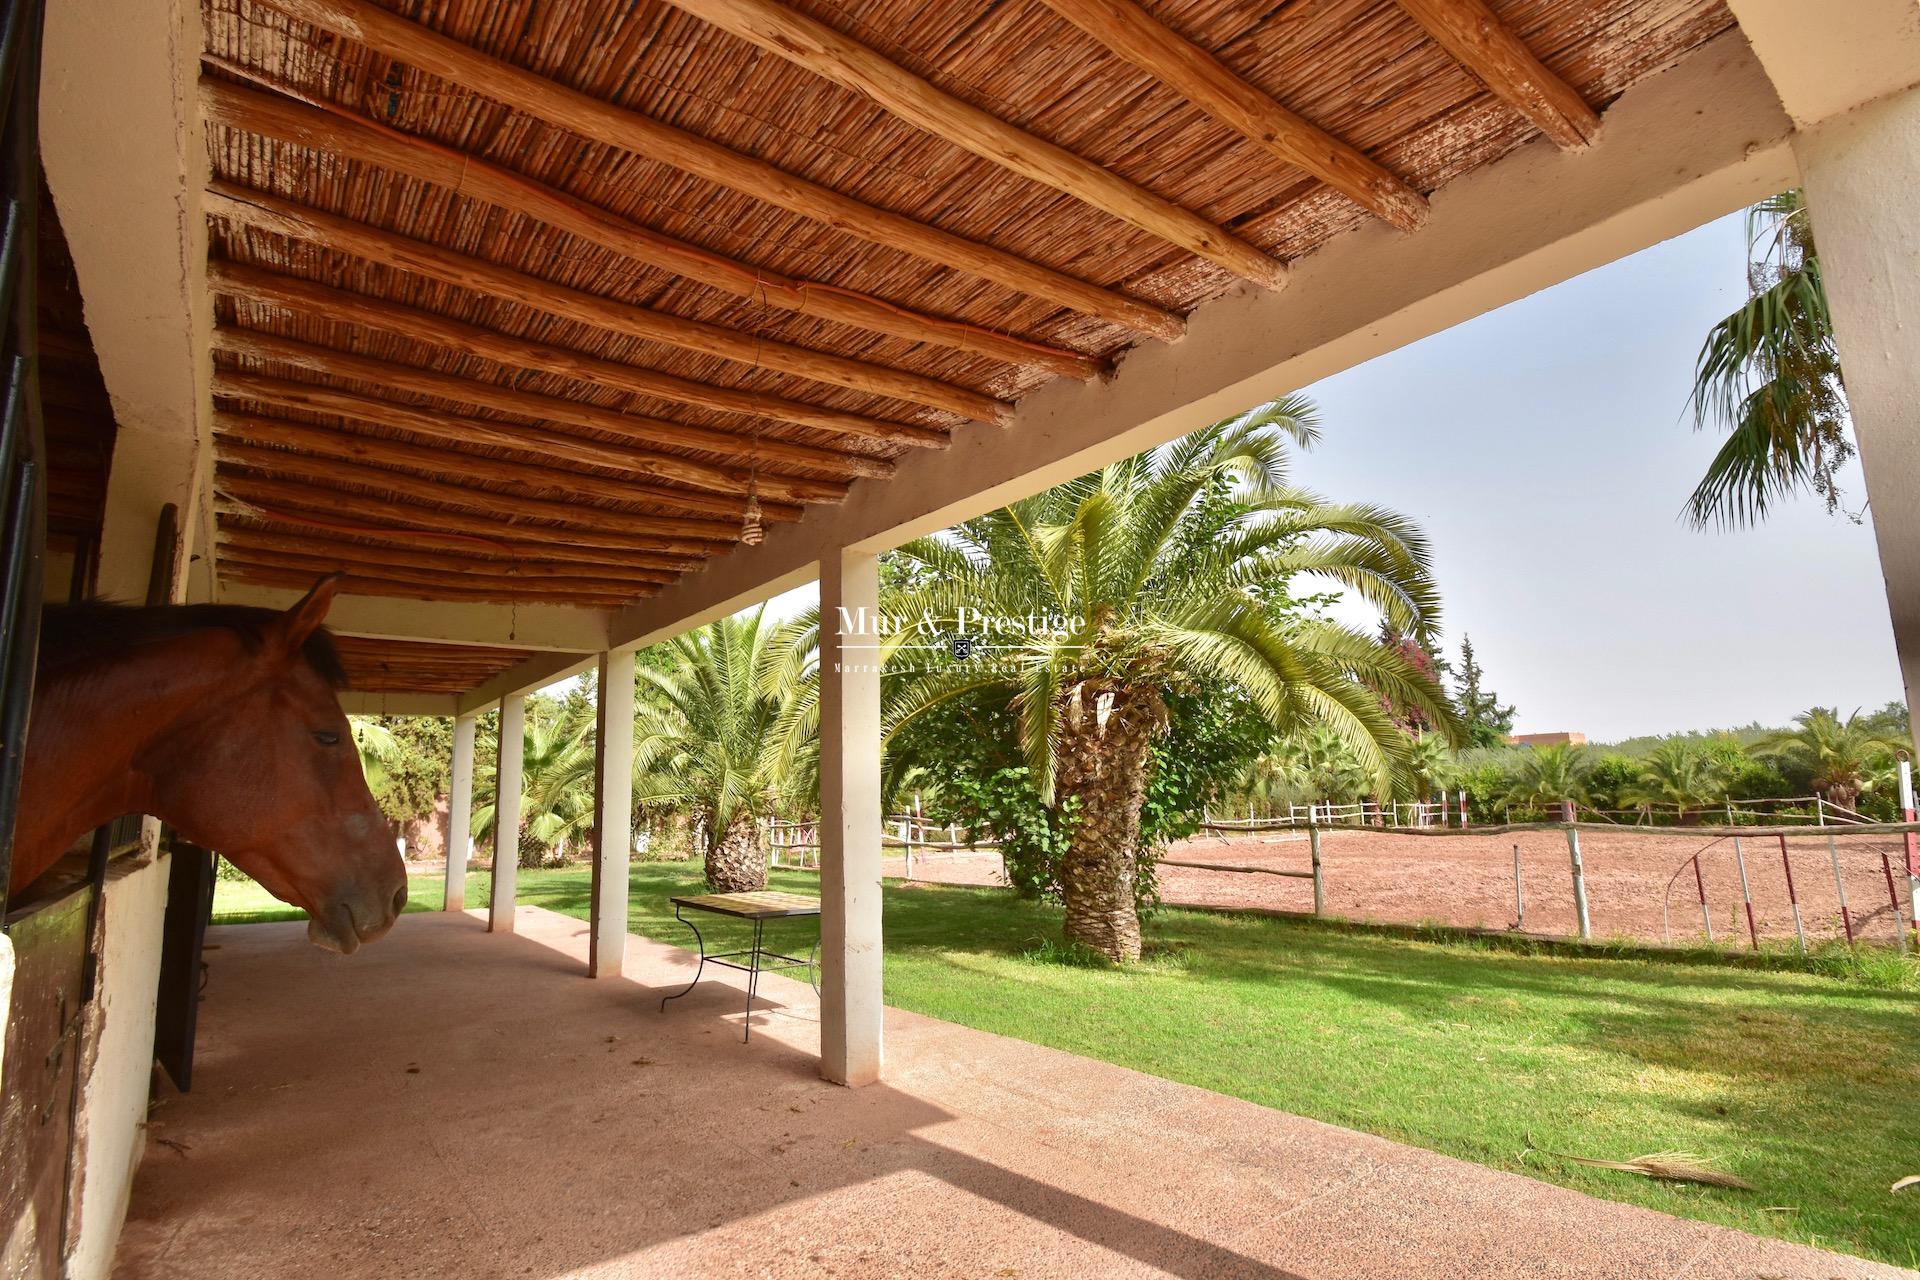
pixel 1807 1086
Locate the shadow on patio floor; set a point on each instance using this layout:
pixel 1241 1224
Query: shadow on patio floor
pixel 450 1102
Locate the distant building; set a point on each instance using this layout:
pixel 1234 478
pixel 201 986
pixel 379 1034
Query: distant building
pixel 1547 740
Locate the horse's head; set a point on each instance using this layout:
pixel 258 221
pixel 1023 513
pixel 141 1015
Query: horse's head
pixel 278 790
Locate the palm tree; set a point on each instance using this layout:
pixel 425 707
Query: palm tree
pixel 710 737
pixel 1838 756
pixel 1327 769
pixel 1680 773
pixel 1547 777
pixel 1166 571
pixel 379 749
pixel 1769 374
pixel 1268 781
pixel 1430 764
pixel 557 781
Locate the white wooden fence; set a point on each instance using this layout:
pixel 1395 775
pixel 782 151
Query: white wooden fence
pixel 797 844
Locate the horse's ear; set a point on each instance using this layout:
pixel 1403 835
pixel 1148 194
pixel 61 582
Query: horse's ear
pixel 301 621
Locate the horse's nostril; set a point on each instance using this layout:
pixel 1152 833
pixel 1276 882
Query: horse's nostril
pixel 399 900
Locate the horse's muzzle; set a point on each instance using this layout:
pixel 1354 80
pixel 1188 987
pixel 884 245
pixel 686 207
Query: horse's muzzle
pixel 354 918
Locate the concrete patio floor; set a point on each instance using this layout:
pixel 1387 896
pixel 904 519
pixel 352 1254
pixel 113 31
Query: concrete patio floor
pixel 453 1103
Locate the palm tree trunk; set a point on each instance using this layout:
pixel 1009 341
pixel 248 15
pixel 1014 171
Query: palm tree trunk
pixel 735 861
pixel 1102 763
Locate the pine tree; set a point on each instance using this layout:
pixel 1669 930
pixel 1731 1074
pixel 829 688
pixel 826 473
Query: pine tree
pixel 1487 720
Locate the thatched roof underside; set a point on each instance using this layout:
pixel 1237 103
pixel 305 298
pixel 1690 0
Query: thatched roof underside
pixel 515 345
pixel 394 666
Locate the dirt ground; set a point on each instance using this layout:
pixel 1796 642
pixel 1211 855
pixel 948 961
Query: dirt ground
pixel 1468 880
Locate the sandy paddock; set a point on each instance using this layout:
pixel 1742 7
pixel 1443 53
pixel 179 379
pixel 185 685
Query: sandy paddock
pixel 1468 880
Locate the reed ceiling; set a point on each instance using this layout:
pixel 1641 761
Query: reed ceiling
pixel 543 342
pixel 395 666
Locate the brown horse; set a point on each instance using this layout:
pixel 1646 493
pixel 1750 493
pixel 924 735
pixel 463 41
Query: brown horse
pixel 223 722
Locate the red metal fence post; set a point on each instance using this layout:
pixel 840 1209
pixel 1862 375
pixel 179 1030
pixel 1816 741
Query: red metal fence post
pixel 1840 888
pixel 1799 933
pixel 1893 899
pixel 1700 882
pixel 1746 894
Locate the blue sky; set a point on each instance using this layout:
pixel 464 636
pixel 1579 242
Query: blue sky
pixel 1546 449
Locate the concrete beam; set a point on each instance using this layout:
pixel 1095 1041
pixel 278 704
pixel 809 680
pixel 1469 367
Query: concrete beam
pixel 535 673
pixel 356 702
pixel 126 169
pixel 1700 140
pixel 527 626
pixel 1826 59
pixel 148 471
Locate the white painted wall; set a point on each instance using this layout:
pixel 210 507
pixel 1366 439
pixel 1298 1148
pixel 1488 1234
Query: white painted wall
pixel 112 1112
pixel 126 163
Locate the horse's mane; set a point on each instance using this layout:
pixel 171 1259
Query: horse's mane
pixel 72 634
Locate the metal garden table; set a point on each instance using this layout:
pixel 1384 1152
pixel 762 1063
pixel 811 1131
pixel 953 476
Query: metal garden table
pixel 759 906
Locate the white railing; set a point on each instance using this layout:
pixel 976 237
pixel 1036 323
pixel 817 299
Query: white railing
pixel 797 844
pixel 1446 811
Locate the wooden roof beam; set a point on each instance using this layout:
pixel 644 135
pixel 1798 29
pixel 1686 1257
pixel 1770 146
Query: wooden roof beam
pixel 364 672
pixel 533 477
pixel 433 579
pixel 263 211
pixel 590 117
pixel 812 44
pixel 353 553
pixel 461 432
pixel 434 424
pixel 503 508
pixel 1209 84
pixel 256 284
pixel 1483 44
pixel 636 133
pixel 672 469
pixel 316 503
pixel 355 138
pixel 278 524
pixel 301 576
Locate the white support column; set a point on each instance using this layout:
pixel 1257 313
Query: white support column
pixel 850 818
pixel 1860 171
pixel 612 814
pixel 460 811
pixel 506 814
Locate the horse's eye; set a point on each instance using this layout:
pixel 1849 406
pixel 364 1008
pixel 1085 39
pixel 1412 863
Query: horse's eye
pixel 327 739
